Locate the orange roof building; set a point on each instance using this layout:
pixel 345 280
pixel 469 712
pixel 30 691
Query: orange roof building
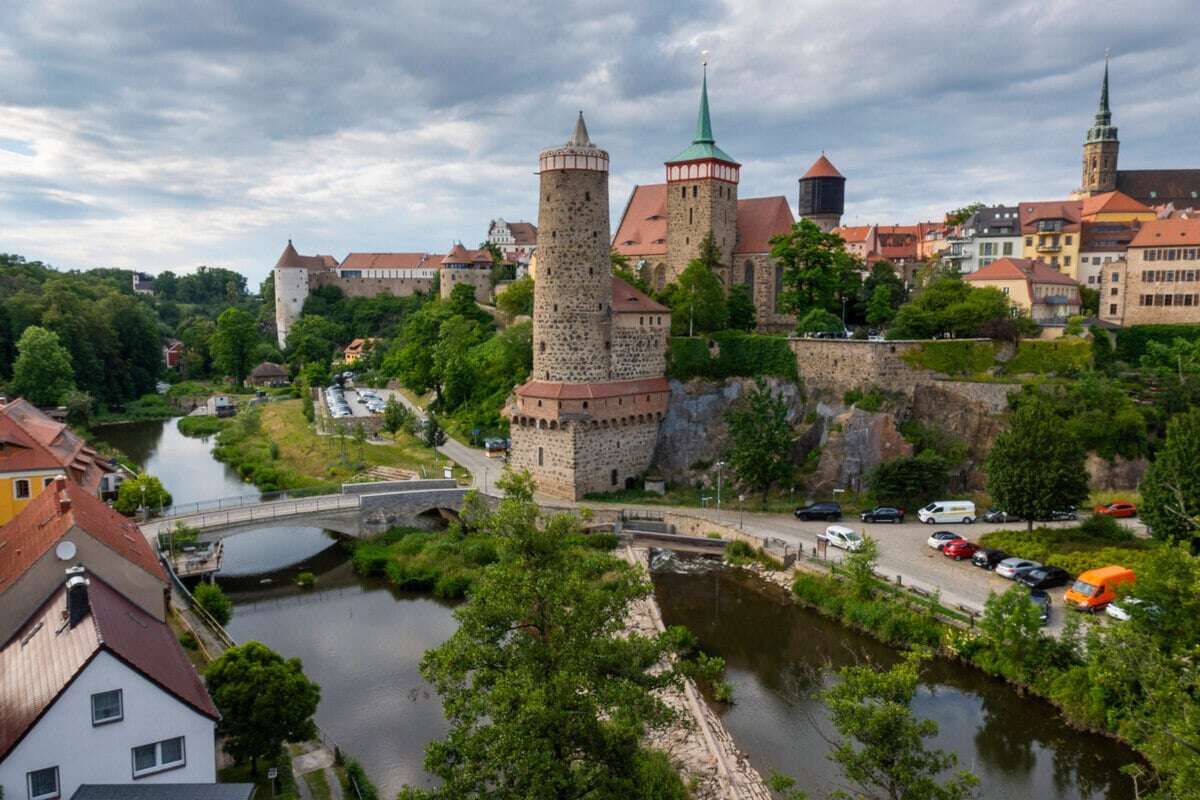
pixel 1045 294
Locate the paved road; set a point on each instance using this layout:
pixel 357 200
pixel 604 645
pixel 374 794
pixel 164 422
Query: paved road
pixel 484 470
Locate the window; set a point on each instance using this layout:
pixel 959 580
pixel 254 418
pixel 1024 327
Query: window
pixel 613 478
pixel 21 489
pixel 541 455
pixel 1069 239
pixel 696 191
pixel 1112 309
pixel 1114 291
pixel 1116 277
pixel 1029 241
pixel 43 783
pixel 1066 261
pixel 47 481
pixel 164 755
pixel 107 707
pixel 1008 248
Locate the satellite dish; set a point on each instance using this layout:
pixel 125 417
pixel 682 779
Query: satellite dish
pixel 65 550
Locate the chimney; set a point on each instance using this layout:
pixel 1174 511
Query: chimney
pixel 60 483
pixel 77 595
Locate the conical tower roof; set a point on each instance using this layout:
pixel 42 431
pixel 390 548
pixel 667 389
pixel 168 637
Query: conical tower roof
pixel 703 144
pixel 580 138
pixel 290 258
pixel 822 168
pixel 1102 129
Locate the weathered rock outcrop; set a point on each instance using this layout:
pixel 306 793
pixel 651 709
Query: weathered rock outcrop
pixel 857 442
pixel 971 413
pixel 1121 473
pixel 694 430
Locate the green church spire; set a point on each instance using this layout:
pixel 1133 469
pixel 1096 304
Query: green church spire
pixel 1104 91
pixel 1102 129
pixel 703 144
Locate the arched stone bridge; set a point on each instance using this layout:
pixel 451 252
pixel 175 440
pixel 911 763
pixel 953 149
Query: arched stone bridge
pixel 362 509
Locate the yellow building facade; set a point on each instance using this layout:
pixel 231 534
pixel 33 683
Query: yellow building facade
pixel 1051 233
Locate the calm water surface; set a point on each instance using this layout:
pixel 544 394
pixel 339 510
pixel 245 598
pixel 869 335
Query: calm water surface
pixel 1018 746
pixel 362 642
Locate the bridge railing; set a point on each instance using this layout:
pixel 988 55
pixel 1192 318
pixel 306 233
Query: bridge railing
pixel 240 501
pixel 260 512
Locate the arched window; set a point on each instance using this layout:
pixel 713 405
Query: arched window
pixel 778 287
pixel 660 276
pixel 748 273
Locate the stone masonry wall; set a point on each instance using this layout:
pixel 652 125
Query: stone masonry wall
pixel 639 345
pixel 549 455
pixel 370 287
pixel 572 299
pixel 480 279
pixel 709 204
pixel 835 366
pixel 606 457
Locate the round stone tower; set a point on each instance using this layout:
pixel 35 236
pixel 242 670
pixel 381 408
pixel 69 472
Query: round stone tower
pixel 572 297
pixel 823 194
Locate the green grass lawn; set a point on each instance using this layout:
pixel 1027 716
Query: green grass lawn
pixel 318 785
pixel 264 791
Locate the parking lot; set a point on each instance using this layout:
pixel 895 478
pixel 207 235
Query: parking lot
pixel 357 403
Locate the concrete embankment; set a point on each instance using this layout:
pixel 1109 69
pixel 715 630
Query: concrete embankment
pixel 696 742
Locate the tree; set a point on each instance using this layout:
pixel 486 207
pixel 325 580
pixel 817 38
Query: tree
pixel 214 602
pixel 859 566
pixel 311 340
pixel 883 744
pixel 264 701
pixel 1089 301
pixel 432 434
pixel 80 406
pixel 42 373
pixel 883 273
pixel 697 299
pixel 232 344
pixel 818 272
pixel 1036 467
pixel 546 694
pixel 1011 627
pixel 630 274
pixel 743 316
pixel 909 482
pixel 142 491
pixel 879 308
pixel 1179 359
pixel 960 215
pixel 395 416
pixel 761 440
pixel 818 320
pixel 517 299
pixel 1171 487
pixel 949 306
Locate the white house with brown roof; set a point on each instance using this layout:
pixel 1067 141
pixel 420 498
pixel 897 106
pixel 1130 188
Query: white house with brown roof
pixel 94 690
pixel 1044 293
pixel 517 240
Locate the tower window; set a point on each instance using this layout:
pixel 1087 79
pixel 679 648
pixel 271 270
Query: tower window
pixel 689 216
pixel 587 196
pixel 541 349
pixel 541 456
pixel 683 192
pixel 695 191
pixel 613 478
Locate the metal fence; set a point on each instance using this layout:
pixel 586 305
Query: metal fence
pixel 240 501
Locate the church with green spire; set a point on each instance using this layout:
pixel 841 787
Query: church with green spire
pixel 1100 148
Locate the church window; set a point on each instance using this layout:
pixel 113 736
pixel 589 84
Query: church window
pixel 695 191
pixel 748 273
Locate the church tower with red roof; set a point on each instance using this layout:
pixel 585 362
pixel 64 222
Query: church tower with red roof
pixel 587 419
pixel 702 188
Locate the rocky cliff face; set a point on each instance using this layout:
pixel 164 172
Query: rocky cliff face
pixel 969 413
pixel 1121 473
pixel 694 431
pixel 857 441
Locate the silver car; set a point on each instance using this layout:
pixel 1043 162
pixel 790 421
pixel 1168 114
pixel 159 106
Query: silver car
pixel 1012 567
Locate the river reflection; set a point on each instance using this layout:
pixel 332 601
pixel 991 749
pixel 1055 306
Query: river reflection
pixel 774 651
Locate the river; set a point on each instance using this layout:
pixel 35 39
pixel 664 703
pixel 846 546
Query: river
pixel 362 642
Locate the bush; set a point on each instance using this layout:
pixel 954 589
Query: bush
pixel 741 355
pixel 201 425
pixel 909 482
pixel 1065 357
pixel 953 357
pixel 885 618
pixel 211 599
pixel 188 640
pixel 306 580
pixel 1089 546
pixel 357 784
pixel 1132 341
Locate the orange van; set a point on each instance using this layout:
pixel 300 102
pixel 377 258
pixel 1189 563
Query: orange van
pixel 1096 588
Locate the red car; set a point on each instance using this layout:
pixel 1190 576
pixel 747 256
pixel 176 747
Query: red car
pixel 959 549
pixel 1118 509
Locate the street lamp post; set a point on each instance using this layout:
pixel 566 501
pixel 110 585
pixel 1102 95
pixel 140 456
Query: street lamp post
pixel 720 469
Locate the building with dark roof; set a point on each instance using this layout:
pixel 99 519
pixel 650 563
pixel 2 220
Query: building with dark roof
pixel 172 791
pixel 95 690
pixel 822 194
pixel 1153 187
pixel 517 240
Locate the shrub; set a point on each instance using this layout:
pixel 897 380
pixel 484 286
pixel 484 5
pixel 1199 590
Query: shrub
pixel 188 640
pixel 1065 357
pixel 306 580
pixel 741 355
pixel 212 600
pixel 953 357
pixel 200 425
pixel 602 541
pixel 1091 545
pixel 1132 341
pixel 739 552
pixel 357 784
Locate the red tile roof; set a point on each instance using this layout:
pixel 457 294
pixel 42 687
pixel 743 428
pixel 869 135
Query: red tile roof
pixel 1068 210
pixel 85 465
pixel 1112 203
pixel 20 452
pixel 628 300
pixel 524 233
pixel 45 656
pixel 1167 233
pixel 42 523
pixel 854 234
pixel 822 168
pixel 760 218
pixel 461 255
pixel 290 258
pixel 591 391
pixel 1020 269
pixel 385 261
pixel 643 228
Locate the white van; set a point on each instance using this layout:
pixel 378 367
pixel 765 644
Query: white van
pixel 945 511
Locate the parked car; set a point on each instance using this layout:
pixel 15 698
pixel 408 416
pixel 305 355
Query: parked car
pixel 987 558
pixel 941 538
pixel 996 515
pixel 1096 588
pixel 843 537
pixel 883 514
pixel 1012 567
pixel 1045 577
pixel 959 549
pixel 828 511
pixel 948 511
pixel 1120 508
pixel 1064 514
pixel 1042 600
pixel 1124 609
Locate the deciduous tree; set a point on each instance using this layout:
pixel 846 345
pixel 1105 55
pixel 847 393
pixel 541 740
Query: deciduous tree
pixel 141 491
pixel 818 272
pixel 1171 487
pixel 233 342
pixel 743 316
pixel 697 299
pixel 517 299
pixel 264 701
pixel 1036 466
pixel 761 440
pixel 42 372
pixel 395 416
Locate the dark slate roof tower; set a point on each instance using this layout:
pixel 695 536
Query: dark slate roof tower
pixel 823 194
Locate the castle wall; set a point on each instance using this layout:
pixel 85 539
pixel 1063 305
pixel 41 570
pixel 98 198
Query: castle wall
pixel 605 457
pixel 572 298
pixel 291 290
pixel 695 207
pixel 548 454
pixel 480 279
pixel 370 287
pixel 838 365
pixel 760 268
pixel 639 345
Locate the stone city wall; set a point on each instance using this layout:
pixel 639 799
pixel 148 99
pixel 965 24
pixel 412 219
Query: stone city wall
pixel 837 365
pixel 639 345
pixel 479 279
pixel 370 287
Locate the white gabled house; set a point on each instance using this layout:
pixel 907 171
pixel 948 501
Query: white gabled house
pixel 95 690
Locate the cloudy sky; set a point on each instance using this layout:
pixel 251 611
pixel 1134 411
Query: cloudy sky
pixel 163 135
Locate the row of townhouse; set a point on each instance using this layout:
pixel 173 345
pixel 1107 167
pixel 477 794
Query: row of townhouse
pixel 98 699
